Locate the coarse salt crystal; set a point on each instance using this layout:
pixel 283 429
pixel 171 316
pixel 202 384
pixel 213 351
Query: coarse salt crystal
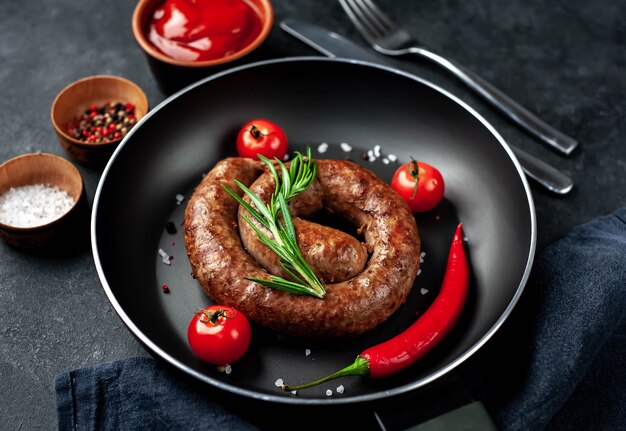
pixel 377 150
pixel 370 156
pixel 228 369
pixel 278 383
pixel 423 291
pixel 307 352
pixel 179 198
pixel 386 161
pixel 165 258
pixel 328 392
pixel 340 389
pixel 33 205
pixel 346 147
pixel 392 157
pixel 294 392
pixel 419 271
pixel 322 147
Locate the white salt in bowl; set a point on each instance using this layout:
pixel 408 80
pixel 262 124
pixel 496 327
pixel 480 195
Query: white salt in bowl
pixel 42 202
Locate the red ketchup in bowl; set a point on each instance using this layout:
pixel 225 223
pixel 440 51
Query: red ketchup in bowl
pixel 200 30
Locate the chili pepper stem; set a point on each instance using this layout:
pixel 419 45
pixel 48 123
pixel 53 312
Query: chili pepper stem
pixel 359 367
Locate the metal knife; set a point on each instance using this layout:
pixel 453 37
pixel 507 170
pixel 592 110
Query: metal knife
pixel 333 45
pixel 328 42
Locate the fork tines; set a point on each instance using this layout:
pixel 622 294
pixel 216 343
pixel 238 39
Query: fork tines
pixel 367 17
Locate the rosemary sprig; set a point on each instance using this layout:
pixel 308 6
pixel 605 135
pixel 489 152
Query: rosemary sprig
pixel 276 218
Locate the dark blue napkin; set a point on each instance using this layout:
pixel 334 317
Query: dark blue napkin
pixel 558 363
pixel 136 394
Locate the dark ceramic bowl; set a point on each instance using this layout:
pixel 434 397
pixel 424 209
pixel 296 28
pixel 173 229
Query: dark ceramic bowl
pixel 41 168
pixel 74 99
pixel 172 74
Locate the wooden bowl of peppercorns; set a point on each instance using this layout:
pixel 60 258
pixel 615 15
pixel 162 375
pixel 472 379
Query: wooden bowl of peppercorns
pixel 91 116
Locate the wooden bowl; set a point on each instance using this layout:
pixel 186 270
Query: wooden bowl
pixel 97 90
pixel 172 74
pixel 41 168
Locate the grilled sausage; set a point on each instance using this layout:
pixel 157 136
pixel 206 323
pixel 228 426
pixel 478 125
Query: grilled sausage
pixel 333 255
pixel 350 307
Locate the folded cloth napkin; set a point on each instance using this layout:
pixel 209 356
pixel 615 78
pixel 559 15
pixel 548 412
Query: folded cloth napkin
pixel 136 394
pixel 558 363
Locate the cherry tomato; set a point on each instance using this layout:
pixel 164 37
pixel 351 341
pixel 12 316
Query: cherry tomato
pixel 219 334
pixel 262 137
pixel 420 185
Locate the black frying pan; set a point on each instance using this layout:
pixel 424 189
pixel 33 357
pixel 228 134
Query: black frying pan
pixel 315 100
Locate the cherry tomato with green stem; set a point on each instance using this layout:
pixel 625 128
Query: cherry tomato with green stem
pixel 262 137
pixel 219 334
pixel 421 185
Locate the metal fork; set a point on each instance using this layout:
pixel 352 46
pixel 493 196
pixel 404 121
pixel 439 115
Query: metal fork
pixel 389 39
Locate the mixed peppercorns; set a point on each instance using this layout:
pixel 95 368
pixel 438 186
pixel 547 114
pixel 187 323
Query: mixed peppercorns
pixel 108 122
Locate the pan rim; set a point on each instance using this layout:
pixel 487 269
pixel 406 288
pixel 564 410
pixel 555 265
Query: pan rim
pixel 378 395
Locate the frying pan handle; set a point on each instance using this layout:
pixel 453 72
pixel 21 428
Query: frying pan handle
pixel 445 404
pixel 473 414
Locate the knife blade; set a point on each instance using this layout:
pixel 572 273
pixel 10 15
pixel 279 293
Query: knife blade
pixel 332 44
pixel 328 42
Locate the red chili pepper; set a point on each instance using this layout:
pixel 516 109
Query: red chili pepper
pixel 424 334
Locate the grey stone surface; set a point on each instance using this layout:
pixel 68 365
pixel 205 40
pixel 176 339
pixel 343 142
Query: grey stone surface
pixel 565 60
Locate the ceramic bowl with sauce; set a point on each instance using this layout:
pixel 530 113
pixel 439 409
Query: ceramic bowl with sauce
pixel 43 204
pixel 185 41
pixel 74 100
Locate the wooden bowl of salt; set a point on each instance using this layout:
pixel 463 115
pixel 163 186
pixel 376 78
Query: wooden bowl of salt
pixel 43 203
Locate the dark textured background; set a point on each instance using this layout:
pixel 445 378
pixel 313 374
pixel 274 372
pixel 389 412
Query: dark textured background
pixel 564 60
